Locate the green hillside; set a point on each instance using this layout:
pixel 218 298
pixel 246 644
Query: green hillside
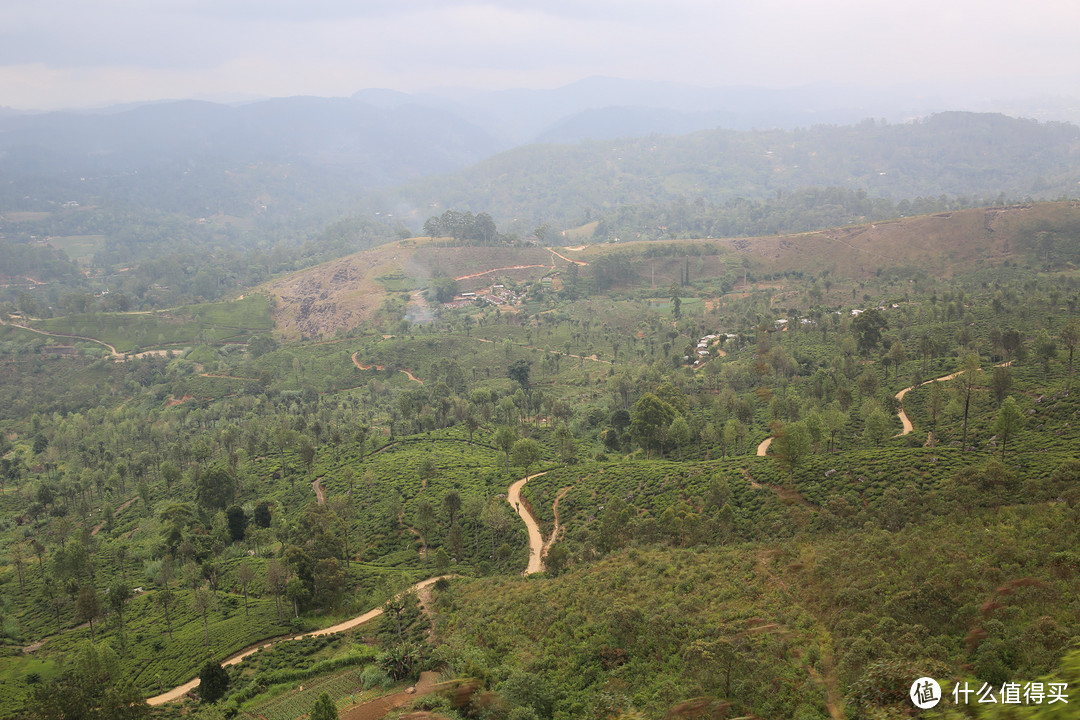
pixel 746 526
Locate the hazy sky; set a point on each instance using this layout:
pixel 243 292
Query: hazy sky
pixel 73 53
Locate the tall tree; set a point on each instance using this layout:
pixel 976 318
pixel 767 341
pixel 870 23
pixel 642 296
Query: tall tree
pixel 93 687
pixel 519 371
pixel 119 594
pixel 1070 336
pixel 967 383
pixel 1045 350
pixel 201 602
pixel 505 437
pixel 649 421
pixel 165 598
pixel 276 579
pixel 87 607
pixel 452 503
pixel 868 327
pixel 791 445
pixel 245 574
pixel 1001 382
pixel 1008 422
pixel 526 452
pixel 213 682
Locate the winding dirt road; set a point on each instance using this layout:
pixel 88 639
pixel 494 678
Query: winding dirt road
pixel 592 358
pixel 764 446
pixel 536 540
pixel 555 528
pixel 380 707
pixel 524 267
pixel 48 333
pixel 569 260
pixel 362 366
pixel 116 356
pixel 181 690
pixel 495 270
pixel 116 513
pixel 537 549
pixel 904 420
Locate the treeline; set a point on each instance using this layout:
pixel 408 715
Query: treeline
pixel 464 227
pixel 35 263
pixel 149 259
pixel 795 211
pixel 952 154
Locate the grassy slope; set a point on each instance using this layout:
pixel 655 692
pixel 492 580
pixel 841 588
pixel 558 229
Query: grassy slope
pixel 234 321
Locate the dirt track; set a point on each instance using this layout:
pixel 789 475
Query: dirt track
pixel 904 420
pixel 379 707
pixel 47 333
pixel 179 691
pixel 569 260
pixel 537 550
pixel 116 513
pixel 117 356
pixel 555 510
pixel 362 366
pixel 536 540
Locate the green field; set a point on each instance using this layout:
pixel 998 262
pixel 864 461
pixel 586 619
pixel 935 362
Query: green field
pixel 233 321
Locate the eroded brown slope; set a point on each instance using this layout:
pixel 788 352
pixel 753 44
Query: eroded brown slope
pixel 345 293
pixel 341 293
pixel 945 243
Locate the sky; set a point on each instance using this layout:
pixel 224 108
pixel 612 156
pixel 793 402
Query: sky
pixel 84 53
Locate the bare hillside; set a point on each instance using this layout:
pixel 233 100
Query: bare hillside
pixel 346 292
pixel 340 293
pixel 942 244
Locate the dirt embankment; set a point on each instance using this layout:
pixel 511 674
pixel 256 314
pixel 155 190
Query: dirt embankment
pixel 379 707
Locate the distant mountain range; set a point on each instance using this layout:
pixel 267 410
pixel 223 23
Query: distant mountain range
pixel 957 154
pixel 509 152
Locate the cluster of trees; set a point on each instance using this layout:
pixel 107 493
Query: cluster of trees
pixel 476 229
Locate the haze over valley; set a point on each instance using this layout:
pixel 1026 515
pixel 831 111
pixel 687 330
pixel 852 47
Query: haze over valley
pixel 634 361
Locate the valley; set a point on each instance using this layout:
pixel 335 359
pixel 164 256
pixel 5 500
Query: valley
pixel 655 474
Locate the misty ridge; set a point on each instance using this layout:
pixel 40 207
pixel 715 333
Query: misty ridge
pixel 192 199
pixel 513 148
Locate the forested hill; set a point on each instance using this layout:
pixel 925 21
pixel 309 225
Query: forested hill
pixel 201 158
pixel 955 154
